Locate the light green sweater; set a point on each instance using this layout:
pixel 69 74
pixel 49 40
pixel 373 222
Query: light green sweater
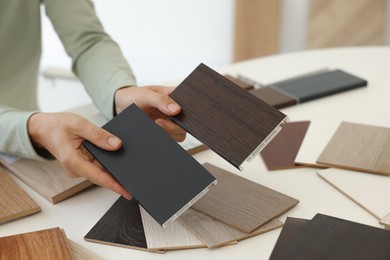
pixel 96 60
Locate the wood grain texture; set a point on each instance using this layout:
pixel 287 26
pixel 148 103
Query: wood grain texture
pixel 81 253
pixel 219 113
pixel 326 237
pixel 120 226
pixel 42 244
pixel 46 177
pixel 243 84
pixel 174 236
pixel 14 201
pixel 358 147
pixel 334 23
pixel 274 97
pixel 256 28
pixel 215 233
pixel 241 203
pixel 280 153
pixel 352 183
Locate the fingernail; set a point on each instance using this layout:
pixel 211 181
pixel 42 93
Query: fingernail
pixel 113 141
pixel 173 107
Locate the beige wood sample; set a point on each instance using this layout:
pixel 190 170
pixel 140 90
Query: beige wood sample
pixel 174 236
pixel 241 203
pixel 334 23
pixel 358 147
pixel 215 233
pixel 256 28
pixel 366 190
pixel 14 201
pixel 81 253
pixel 45 177
pixel 42 244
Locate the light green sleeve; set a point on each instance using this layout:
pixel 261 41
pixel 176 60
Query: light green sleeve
pixel 96 58
pixel 14 137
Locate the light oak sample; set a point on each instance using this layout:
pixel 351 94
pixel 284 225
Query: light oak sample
pixel 358 147
pixel 174 236
pixel 369 191
pixel 14 201
pixel 45 177
pixel 43 244
pixel 241 203
pixel 215 233
pixel 81 253
pixel 335 23
pixel 280 153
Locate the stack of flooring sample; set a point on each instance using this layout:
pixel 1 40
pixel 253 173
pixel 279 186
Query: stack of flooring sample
pixel 368 191
pixel 14 202
pixel 47 178
pixel 233 210
pixel 326 237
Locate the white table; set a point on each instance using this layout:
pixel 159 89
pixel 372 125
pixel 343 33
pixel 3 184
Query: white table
pixel 77 215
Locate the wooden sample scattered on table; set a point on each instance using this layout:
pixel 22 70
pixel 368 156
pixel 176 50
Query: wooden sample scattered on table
pixel 241 203
pixel 45 177
pixel 243 84
pixel 15 202
pixel 219 113
pixel 358 147
pixel 352 184
pixel 274 97
pixel 215 233
pixel 157 171
pixel 43 244
pixel 280 153
pixel 81 253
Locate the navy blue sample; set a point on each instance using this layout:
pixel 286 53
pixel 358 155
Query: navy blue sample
pixel 156 170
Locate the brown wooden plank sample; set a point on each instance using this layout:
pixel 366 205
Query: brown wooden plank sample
pixel 172 237
pixel 46 177
pixel 219 113
pixel 243 84
pixel 241 203
pixel 81 253
pixel 42 244
pixel 14 201
pixel 120 226
pixel 280 153
pixel 358 147
pixel 326 237
pixel 215 233
pixel 256 28
pixel 274 97
pixel 335 23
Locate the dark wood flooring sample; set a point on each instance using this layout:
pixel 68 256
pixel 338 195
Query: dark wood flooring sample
pixel 274 97
pixel 229 120
pixel 280 153
pixel 241 83
pixel 155 169
pixel 241 203
pixel 326 237
pixel 320 85
pixel 120 226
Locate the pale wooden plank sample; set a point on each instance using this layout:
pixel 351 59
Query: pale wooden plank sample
pixel 81 253
pixel 43 244
pixel 174 236
pixel 215 233
pixel 14 201
pixel 334 23
pixel 241 203
pixel 358 147
pixel 256 28
pixel 46 177
pixel 369 191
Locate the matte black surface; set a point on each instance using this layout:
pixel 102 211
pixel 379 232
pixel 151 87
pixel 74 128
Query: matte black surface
pixel 122 225
pixel 223 116
pixel 320 85
pixel 326 237
pixel 155 169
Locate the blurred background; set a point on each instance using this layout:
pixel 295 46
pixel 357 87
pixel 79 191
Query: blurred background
pixel 166 40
